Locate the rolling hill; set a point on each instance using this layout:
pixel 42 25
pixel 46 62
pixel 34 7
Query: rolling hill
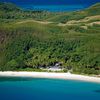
pixel 30 40
pixel 76 15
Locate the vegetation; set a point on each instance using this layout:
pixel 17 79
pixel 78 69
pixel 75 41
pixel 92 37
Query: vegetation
pixel 76 15
pixel 27 44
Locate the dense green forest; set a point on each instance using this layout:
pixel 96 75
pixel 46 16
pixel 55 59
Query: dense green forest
pixel 30 40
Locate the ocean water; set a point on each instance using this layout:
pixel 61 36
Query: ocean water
pixel 52 8
pixel 47 89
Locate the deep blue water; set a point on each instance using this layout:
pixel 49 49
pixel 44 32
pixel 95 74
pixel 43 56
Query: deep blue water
pixel 47 89
pixel 53 5
pixel 53 2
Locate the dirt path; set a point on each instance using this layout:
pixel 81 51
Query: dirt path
pixel 41 22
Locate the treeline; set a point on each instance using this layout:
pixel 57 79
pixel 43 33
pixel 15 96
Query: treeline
pixel 26 48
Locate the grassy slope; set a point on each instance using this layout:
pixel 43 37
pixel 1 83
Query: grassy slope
pixel 11 12
pixel 32 44
pixel 77 15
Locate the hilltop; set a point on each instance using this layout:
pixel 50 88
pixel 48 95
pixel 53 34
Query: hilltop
pixel 8 7
pixel 30 40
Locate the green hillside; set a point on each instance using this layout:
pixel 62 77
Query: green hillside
pixel 8 7
pixel 77 15
pixel 11 12
pixel 33 39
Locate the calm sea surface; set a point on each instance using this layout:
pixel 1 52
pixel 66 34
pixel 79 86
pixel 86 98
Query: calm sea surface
pixel 47 89
pixel 53 8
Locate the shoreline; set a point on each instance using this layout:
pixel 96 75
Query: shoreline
pixel 66 76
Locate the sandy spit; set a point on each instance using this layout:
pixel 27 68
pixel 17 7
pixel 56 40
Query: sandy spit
pixel 67 76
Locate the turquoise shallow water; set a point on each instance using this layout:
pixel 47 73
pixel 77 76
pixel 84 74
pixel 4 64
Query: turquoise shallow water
pixel 47 89
pixel 53 8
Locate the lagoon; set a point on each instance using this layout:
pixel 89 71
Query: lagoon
pixel 23 88
pixel 52 8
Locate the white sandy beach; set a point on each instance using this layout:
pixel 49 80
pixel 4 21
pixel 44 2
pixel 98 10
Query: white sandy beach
pixel 66 76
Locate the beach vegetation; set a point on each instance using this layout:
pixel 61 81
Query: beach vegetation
pixel 27 42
